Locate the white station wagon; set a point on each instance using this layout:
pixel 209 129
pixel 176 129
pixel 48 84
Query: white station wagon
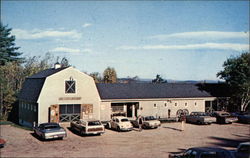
pixel 120 123
pixel 88 127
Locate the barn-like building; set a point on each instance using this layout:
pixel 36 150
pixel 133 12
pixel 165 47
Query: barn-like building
pixel 66 94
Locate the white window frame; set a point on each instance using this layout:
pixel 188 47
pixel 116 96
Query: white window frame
pixel 65 87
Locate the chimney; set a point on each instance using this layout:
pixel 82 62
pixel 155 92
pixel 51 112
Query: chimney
pixel 57 65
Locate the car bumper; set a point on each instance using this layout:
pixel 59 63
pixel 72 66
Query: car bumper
pixel 126 129
pixel 54 136
pixel 94 133
pixel 153 126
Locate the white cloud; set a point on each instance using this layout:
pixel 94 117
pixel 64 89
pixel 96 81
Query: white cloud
pixel 87 50
pixel 220 46
pixel 86 25
pixel 203 35
pixel 38 34
pixel 65 50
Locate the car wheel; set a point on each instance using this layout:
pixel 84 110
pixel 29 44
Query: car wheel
pixel 118 129
pixel 108 126
pixel 82 133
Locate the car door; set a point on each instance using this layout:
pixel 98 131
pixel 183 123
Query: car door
pixel 116 123
pixel 39 130
pixel 112 123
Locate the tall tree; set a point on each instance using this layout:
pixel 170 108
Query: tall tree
pixel 96 76
pixel 159 79
pixel 237 74
pixel 65 62
pixel 109 75
pixel 8 50
pixel 9 84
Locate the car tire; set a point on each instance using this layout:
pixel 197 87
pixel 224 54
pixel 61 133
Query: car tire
pixel 82 133
pixel 108 126
pixel 118 129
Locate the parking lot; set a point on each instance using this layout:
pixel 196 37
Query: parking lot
pixel 148 143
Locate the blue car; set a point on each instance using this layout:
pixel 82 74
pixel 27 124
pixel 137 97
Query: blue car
pixel 50 131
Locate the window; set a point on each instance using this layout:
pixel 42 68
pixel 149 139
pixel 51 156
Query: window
pixel 70 86
pixel 186 104
pixel 195 103
pixel 165 104
pixel 69 109
pixel 154 105
pixel 31 107
pixel 34 108
pixel 175 104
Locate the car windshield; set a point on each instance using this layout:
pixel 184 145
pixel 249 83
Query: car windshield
pixel 51 126
pixel 124 120
pixel 94 123
pixel 148 118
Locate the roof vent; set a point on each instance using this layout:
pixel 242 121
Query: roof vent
pixel 57 65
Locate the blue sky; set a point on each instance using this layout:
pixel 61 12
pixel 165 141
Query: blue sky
pixel 183 40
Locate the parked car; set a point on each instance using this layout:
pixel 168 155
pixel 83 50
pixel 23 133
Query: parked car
pixel 120 123
pixel 50 131
pixel 204 152
pixel 223 117
pixel 200 118
pixel 86 127
pixel 2 143
pixel 243 150
pixel 244 118
pixel 147 122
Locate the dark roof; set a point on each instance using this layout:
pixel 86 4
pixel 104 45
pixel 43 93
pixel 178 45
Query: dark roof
pixel 151 90
pixel 31 89
pixel 47 72
pixel 33 85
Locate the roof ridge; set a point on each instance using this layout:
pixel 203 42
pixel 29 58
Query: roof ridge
pixel 47 72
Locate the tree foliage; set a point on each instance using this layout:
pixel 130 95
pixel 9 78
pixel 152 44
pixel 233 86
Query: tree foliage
pixel 237 74
pixel 12 76
pixel 8 50
pixel 109 75
pixel 159 79
pixel 96 76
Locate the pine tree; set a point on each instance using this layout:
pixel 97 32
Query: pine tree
pixel 8 50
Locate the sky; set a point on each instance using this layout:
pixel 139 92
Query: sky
pixel 182 40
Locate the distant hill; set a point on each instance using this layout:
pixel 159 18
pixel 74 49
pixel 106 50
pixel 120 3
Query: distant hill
pixel 147 80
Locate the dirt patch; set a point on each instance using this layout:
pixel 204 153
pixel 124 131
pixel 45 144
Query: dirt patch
pixel 148 143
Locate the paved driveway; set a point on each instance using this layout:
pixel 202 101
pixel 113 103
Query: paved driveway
pixel 148 143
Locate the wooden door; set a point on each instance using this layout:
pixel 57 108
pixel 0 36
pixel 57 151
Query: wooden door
pixel 54 113
pixel 86 111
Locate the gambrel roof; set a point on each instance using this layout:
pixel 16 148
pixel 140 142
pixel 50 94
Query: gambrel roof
pixel 33 85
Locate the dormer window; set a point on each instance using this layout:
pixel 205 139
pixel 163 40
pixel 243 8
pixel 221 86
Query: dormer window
pixel 70 86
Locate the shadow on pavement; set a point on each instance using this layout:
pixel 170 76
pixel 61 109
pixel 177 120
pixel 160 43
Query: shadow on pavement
pixel 226 142
pixel 176 129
